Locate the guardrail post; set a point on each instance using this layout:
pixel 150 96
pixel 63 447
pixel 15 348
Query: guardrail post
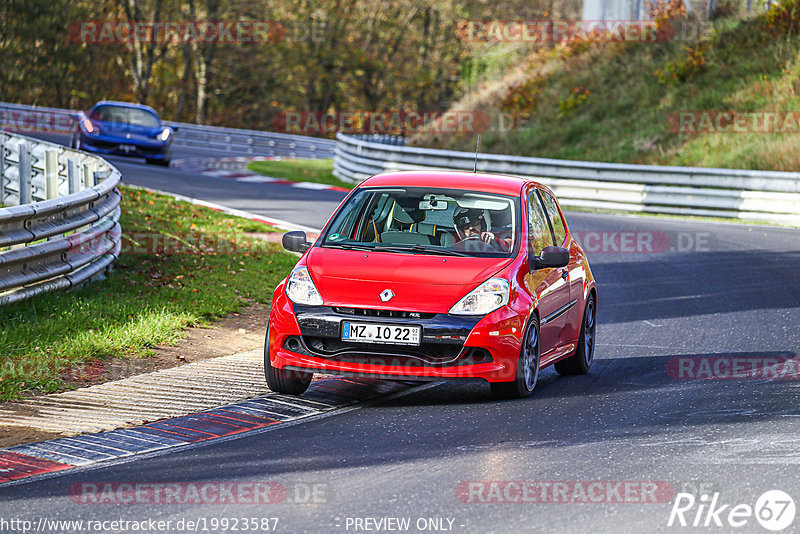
pixel 2 168
pixel 88 176
pixel 51 174
pixel 73 177
pixel 25 192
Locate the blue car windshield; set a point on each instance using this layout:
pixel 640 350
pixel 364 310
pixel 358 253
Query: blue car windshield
pixel 427 221
pixel 125 116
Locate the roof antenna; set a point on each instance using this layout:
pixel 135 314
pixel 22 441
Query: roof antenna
pixel 477 146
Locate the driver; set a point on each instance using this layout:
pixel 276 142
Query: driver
pixel 470 224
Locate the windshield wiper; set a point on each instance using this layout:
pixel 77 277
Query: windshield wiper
pixel 420 248
pixel 348 246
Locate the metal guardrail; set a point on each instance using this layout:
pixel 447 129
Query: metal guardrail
pixel 251 142
pixel 44 120
pixel 60 226
pixel 767 196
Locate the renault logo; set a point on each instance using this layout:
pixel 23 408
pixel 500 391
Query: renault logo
pixel 386 295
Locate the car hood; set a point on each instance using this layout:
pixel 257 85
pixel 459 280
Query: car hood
pixel 420 282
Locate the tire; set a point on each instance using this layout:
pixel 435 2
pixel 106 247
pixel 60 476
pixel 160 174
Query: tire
pixel 282 381
pixel 580 362
pixel 527 373
pixel 162 162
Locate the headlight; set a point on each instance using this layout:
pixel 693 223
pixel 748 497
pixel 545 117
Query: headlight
pixel 485 298
pixel 164 135
pixel 90 128
pixel 301 289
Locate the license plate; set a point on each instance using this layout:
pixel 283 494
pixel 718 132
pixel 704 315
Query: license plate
pixel 127 148
pixel 381 333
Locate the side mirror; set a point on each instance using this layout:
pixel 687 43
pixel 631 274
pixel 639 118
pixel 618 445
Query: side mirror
pixel 175 129
pixel 550 257
pixel 295 241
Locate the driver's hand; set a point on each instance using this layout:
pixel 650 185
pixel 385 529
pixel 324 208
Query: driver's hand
pixel 489 237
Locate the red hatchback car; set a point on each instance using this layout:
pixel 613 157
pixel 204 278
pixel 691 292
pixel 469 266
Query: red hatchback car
pixel 436 275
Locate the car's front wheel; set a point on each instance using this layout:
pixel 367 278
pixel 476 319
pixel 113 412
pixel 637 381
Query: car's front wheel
pixel 580 362
pixel 527 367
pixel 284 381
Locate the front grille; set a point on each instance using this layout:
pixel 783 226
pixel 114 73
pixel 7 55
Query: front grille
pixel 104 144
pixel 424 355
pixel 432 352
pixel 365 312
pixel 443 336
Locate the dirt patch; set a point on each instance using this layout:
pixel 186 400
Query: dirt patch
pixel 238 332
pixel 18 435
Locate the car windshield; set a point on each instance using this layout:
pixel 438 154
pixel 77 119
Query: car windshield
pixel 427 221
pixel 125 116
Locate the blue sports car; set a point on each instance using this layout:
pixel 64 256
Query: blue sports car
pixel 124 129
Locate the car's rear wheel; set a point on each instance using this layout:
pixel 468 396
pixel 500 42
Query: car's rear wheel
pixel 580 362
pixel 284 381
pixel 527 367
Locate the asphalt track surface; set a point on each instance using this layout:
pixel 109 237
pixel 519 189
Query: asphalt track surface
pixel 706 291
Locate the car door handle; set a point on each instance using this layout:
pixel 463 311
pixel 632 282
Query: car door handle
pixel 565 274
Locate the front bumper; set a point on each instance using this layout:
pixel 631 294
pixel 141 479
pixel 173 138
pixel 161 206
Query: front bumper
pixel 308 338
pixel 113 146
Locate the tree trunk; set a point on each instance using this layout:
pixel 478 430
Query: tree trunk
pixel 143 55
pixel 711 9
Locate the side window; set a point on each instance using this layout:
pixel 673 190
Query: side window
pixel 559 229
pixel 375 223
pixel 347 221
pixel 538 230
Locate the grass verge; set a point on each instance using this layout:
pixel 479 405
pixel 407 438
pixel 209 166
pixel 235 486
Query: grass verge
pixel 300 170
pixel 621 102
pixel 181 265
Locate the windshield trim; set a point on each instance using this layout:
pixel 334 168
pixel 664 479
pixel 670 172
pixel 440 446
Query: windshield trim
pixel 514 199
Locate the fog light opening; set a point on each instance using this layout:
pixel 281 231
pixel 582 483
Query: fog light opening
pixel 293 344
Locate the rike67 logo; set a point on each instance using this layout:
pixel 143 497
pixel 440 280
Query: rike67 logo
pixel 774 510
